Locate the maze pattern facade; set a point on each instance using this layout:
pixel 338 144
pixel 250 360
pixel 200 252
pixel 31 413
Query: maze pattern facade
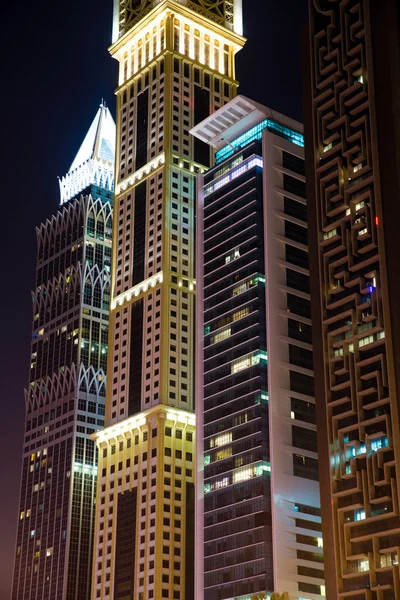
pixel 357 395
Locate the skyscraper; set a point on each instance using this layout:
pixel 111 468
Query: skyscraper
pixel 258 525
pixel 176 66
pixel 66 394
pixel 352 125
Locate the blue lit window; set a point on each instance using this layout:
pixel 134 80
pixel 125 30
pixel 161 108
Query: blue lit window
pixel 253 161
pixel 379 443
pixel 255 133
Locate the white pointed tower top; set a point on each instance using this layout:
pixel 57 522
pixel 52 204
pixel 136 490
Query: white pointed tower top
pixel 94 162
pixel 99 141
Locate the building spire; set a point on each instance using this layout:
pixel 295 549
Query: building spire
pixel 94 162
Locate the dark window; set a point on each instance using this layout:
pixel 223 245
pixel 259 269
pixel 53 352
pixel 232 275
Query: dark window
pixel 303 411
pixel 135 364
pixel 124 572
pixel 294 186
pixel 201 112
pixel 296 233
pixel 297 281
pixel 296 256
pixel 305 467
pixel 299 306
pixel 304 438
pixel 302 384
pixel 293 163
pixel 142 129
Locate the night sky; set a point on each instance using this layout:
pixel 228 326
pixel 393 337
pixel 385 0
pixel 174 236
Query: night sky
pixel 56 70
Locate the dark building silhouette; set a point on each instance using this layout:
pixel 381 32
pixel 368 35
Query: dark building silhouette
pixel 352 116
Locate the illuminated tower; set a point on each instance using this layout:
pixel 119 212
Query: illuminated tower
pixel 176 67
pixel 66 394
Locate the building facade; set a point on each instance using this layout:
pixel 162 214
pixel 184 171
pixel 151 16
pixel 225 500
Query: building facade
pixel 176 66
pixel 258 520
pixel 352 126
pixel 65 400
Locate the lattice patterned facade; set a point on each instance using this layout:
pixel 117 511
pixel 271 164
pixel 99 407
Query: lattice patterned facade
pixel 175 68
pixel 65 403
pixel 351 243
pixel 227 13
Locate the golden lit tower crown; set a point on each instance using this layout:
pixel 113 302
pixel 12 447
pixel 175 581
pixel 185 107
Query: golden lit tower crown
pixel 227 13
pixel 176 66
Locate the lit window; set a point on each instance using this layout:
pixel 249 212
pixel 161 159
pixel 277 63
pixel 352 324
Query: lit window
pixel 369 339
pixel 232 256
pixel 22 515
pixel 221 335
pixel 225 453
pixel 221 440
pixel 250 471
pixel 330 234
pixel 362 449
pixel 359 515
pixel 49 552
pixel 248 361
pixel 240 314
pixel 328 147
pixel 320 542
pixel 241 364
pixel 221 483
pixel 240 289
pixel 387 560
pixel 364 565
pixel 379 443
pixel 360 205
pixel 244 473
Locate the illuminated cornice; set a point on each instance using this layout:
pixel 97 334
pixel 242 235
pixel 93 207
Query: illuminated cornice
pixel 137 291
pixel 235 118
pixel 141 174
pixel 134 293
pixel 136 422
